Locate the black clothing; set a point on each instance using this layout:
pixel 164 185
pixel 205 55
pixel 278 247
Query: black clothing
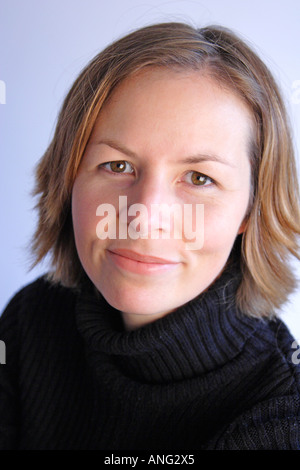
pixel 203 377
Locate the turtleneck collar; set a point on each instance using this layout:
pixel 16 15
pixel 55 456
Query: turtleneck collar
pixel 198 337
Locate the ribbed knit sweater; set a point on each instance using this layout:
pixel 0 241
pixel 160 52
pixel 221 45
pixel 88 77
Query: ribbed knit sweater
pixel 203 377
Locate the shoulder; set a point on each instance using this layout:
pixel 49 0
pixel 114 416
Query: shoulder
pixel 39 333
pixel 39 291
pixel 35 303
pixel 38 328
pixel 270 425
pixel 272 420
pixel 266 416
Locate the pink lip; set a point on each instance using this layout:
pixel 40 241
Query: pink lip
pixel 141 264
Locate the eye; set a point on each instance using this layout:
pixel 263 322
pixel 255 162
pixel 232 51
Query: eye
pixel 118 166
pixel 198 179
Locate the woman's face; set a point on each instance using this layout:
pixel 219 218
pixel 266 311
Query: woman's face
pixel 168 138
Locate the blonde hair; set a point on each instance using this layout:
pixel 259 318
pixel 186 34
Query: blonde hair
pixel 273 225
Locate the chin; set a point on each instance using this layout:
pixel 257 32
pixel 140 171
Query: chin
pixel 139 303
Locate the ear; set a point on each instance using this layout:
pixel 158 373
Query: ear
pixel 243 226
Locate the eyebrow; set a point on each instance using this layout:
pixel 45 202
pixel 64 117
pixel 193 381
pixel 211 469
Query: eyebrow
pixel 192 160
pixel 205 158
pixel 117 146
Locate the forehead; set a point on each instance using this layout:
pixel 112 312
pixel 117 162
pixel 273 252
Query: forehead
pixel 158 108
pixel 193 81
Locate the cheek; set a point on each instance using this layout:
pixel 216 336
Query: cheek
pixel 221 228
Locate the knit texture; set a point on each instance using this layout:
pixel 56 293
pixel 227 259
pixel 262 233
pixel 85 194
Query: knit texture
pixel 203 377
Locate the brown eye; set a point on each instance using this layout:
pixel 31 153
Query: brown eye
pixel 199 179
pixel 118 166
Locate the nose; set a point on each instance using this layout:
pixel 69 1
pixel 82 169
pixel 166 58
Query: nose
pixel 151 204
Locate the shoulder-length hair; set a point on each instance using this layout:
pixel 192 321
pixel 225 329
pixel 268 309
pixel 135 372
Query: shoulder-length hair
pixel 273 223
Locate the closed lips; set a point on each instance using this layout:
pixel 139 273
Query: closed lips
pixel 142 258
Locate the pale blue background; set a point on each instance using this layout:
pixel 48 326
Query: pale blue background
pixel 43 46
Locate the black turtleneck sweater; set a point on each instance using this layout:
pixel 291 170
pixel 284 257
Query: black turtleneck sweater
pixel 203 377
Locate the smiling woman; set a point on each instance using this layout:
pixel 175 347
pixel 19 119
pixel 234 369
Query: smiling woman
pixel 163 117
pixel 136 338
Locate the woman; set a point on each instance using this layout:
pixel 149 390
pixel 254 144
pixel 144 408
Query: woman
pixel 158 329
